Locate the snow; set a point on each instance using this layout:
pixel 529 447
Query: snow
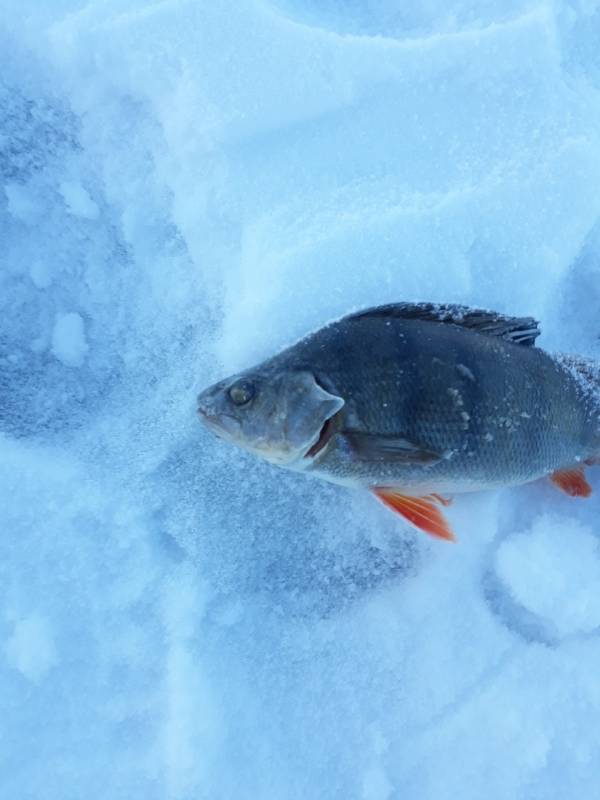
pixel 69 344
pixel 78 201
pixel 21 203
pixel 551 581
pixel 31 649
pixel 184 188
pixel 40 275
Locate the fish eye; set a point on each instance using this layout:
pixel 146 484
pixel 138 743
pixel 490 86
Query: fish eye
pixel 241 393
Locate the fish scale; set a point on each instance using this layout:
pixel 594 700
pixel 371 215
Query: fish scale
pixel 409 385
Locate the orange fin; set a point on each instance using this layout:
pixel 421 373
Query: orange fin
pixel 572 481
pixel 419 511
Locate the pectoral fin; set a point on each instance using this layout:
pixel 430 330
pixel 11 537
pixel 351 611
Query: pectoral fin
pixel 419 511
pixel 381 447
pixel 572 481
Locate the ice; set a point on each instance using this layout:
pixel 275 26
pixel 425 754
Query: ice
pixel 184 188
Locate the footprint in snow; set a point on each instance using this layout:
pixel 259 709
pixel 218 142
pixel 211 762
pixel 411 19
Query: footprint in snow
pixel 543 582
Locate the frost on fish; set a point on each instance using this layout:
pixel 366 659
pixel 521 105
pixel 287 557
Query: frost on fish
pixel 586 372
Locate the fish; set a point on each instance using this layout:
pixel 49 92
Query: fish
pixel 417 402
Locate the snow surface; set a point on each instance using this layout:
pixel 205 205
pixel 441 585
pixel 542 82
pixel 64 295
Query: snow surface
pixel 68 339
pixel 186 186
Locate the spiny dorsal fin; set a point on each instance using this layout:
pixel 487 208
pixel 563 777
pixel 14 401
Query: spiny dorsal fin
pixel 520 330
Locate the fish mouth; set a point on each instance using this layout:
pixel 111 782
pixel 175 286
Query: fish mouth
pixel 222 425
pixel 327 431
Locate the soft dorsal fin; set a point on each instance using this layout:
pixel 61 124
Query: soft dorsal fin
pixel 520 330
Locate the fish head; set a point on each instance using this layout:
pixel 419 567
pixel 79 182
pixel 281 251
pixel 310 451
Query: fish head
pixel 281 416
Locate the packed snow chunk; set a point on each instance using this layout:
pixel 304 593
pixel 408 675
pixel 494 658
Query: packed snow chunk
pixel 31 649
pixel 22 203
pixel 69 344
pixel 78 201
pixel 375 784
pixel 553 570
pixel 40 275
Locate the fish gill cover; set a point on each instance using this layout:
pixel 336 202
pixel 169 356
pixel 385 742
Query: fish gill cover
pixel 185 188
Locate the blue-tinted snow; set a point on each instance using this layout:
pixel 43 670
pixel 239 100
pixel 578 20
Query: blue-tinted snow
pixel 185 187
